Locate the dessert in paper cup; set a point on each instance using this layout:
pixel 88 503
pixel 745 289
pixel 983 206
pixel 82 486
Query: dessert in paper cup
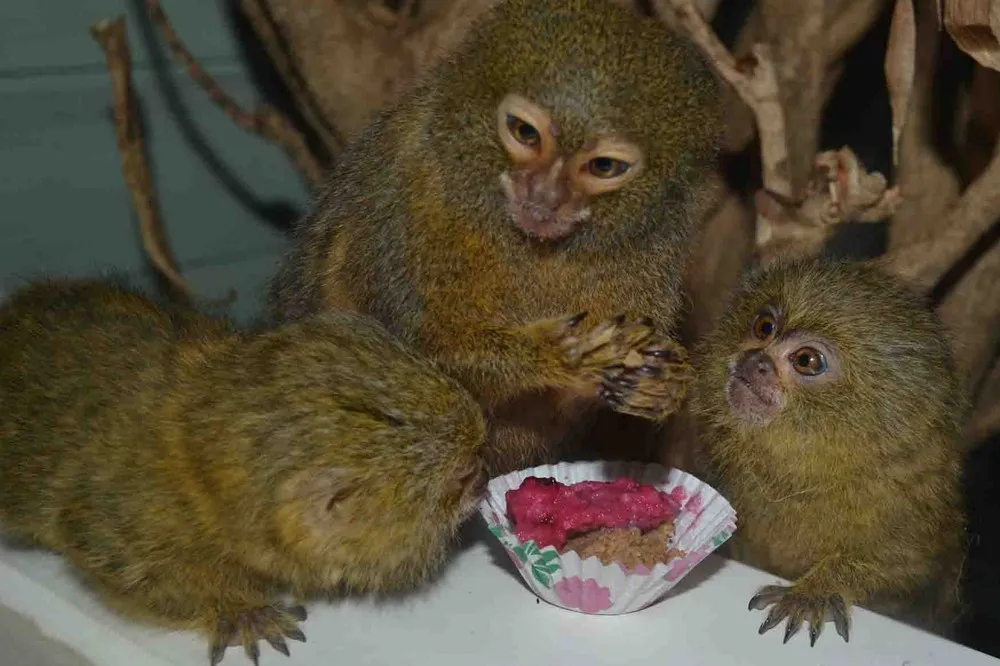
pixel 676 521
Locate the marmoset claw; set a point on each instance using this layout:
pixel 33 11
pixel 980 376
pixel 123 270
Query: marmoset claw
pixel 272 623
pixel 800 607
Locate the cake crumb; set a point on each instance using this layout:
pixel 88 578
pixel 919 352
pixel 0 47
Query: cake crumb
pixel 628 546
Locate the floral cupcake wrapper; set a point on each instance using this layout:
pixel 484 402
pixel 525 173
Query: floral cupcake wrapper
pixel 704 522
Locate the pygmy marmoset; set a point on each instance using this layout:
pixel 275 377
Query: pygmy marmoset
pixel 195 473
pixel 832 415
pixel 555 163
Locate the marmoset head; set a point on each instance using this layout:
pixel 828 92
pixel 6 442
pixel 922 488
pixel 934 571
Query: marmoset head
pixel 820 348
pixel 373 457
pixel 559 118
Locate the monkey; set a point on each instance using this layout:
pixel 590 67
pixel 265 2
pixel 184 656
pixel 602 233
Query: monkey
pixel 194 472
pixel 556 162
pixel 830 412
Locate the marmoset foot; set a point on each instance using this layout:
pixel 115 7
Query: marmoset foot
pixel 798 606
pixel 272 623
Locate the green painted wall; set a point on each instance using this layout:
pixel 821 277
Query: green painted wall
pixel 65 209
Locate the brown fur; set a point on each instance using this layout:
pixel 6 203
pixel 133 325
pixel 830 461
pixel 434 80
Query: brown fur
pixel 412 227
pixel 854 489
pixel 194 473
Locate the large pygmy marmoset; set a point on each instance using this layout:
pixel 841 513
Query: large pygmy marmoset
pixel 832 415
pixel 195 473
pixel 555 163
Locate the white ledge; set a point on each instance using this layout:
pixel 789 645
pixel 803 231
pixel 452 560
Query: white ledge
pixel 480 613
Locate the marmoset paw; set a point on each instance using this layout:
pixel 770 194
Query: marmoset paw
pixel 651 383
pixel 272 623
pixel 606 346
pixel 798 606
pixel 560 328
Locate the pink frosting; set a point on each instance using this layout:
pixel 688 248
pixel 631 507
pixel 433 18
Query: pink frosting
pixel 548 512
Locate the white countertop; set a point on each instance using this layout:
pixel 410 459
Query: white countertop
pixel 480 613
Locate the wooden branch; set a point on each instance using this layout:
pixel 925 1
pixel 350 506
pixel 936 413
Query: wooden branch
pixel 938 226
pixel 708 8
pixel 971 314
pixel 900 66
pixel 985 419
pixel 983 423
pixel 686 14
pixel 266 121
pixel 849 21
pixel 928 183
pixel 135 167
pixel 794 30
pixel 263 26
pixel 977 209
pixel 837 188
pixel 850 24
pixel 975 27
pixel 840 190
pixel 755 81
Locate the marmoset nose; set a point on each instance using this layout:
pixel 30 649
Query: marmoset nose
pixel 759 363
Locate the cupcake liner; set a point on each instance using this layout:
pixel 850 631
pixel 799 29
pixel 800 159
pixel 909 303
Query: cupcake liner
pixel 704 522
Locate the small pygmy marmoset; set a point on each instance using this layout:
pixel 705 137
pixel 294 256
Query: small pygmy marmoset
pixel 195 473
pixel 555 163
pixel 832 417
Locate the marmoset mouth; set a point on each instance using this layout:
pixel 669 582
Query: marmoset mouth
pixel 759 394
pixel 752 403
pixel 548 225
pixel 541 209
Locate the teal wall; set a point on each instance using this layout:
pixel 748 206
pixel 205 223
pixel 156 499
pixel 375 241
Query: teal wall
pixel 65 209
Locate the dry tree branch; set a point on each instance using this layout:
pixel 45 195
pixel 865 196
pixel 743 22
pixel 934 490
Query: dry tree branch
pixel 985 418
pixel 426 37
pixel 837 189
pixel 756 83
pixel 976 210
pixel 975 27
pixel 135 167
pixel 970 311
pixel 851 23
pixel 847 22
pixel 900 66
pixel 263 26
pixel 345 60
pixel 794 30
pixel 266 121
pixel 686 14
pixel 840 191
pixel 983 423
pixel 928 183
pixel 925 261
pixel 939 231
pixel 399 19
